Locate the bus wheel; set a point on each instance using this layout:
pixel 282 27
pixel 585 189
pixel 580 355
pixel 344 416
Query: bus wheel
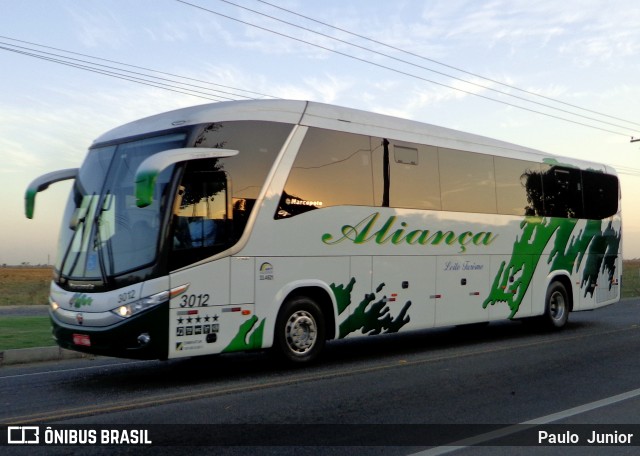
pixel 300 333
pixel 557 306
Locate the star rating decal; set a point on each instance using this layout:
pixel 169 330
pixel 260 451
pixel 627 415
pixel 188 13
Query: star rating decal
pixel 198 329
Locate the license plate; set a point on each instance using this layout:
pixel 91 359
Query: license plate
pixel 82 339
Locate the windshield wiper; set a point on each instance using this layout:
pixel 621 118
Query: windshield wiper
pixel 81 222
pixel 97 240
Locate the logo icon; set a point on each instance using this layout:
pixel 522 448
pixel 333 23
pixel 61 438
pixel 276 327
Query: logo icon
pixel 266 271
pixel 80 299
pixel 23 435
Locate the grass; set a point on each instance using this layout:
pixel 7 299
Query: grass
pixel 25 332
pixel 631 279
pixel 24 286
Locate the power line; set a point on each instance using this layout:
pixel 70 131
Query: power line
pixel 137 67
pixel 626 169
pixel 132 76
pixel 427 68
pixel 413 54
pixel 397 70
pixel 117 75
pixel 56 58
pixel 423 67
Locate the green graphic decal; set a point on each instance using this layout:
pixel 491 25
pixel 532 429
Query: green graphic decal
pixel 369 230
pixel 79 300
pixel 370 317
pixel 600 248
pixel 601 255
pixel 343 295
pixel 555 162
pixel 246 339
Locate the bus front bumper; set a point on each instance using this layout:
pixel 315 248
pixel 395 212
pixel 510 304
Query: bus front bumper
pixel 142 336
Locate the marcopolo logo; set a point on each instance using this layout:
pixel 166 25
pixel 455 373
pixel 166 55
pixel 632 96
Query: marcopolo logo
pixel 391 231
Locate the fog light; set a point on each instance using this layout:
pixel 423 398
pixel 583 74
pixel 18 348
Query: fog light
pixel 144 339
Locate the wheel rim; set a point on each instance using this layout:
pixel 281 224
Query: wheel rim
pixel 301 332
pixel 557 306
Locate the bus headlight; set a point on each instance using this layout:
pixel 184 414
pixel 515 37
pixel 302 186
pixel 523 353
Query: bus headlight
pixel 140 305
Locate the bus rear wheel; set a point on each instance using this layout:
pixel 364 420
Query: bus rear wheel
pixel 557 306
pixel 300 332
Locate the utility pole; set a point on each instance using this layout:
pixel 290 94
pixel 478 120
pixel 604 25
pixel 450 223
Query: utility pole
pixel 635 139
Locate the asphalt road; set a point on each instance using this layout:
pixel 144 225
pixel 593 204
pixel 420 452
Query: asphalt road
pixel 400 394
pixel 24 311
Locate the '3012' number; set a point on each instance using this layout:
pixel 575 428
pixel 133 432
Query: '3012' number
pixel 193 300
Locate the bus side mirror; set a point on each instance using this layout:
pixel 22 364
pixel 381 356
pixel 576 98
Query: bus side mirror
pixel 148 171
pixel 42 183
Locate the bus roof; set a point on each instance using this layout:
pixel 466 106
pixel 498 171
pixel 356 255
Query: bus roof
pixel 313 114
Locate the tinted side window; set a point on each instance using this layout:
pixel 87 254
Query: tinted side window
pixel 332 169
pixel 259 144
pixel 467 182
pixel 600 194
pixel 518 187
pixel 562 189
pixel 413 180
pixel 201 221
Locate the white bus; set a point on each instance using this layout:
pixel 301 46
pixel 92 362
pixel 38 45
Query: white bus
pixel 255 224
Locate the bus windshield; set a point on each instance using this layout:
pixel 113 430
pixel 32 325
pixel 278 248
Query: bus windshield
pixel 103 232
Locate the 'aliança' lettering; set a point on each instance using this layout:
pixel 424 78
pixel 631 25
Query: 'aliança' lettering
pixel 365 231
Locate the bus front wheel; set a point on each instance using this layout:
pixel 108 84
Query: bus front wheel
pixel 556 306
pixel 300 332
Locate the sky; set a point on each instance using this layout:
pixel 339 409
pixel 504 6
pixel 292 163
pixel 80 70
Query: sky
pixel 561 77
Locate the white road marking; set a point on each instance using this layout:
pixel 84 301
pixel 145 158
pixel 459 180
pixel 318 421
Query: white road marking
pixel 74 369
pixel 505 431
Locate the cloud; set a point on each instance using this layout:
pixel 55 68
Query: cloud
pixel 99 26
pixel 329 88
pixel 59 133
pixel 549 24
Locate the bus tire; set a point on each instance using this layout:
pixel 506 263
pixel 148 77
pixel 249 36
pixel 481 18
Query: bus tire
pixel 300 330
pixel 557 306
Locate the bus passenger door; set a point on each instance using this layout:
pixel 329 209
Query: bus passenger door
pixel 202 319
pixel 402 293
pixel 461 285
